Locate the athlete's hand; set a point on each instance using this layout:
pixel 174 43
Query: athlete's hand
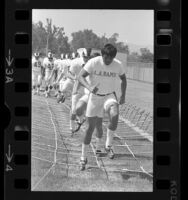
pixel 94 88
pixel 122 100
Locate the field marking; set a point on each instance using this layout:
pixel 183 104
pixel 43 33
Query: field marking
pixel 54 152
pixel 55 131
pixel 61 163
pixel 61 137
pixel 43 177
pixel 62 153
pixel 137 129
pixel 140 165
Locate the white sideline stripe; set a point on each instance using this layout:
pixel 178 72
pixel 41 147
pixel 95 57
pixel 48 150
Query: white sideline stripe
pixel 137 171
pixel 42 159
pixel 51 117
pixel 137 129
pixel 55 159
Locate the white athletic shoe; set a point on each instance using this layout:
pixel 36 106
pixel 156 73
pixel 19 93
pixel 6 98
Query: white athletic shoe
pixel 83 164
pixel 46 94
pixel 110 152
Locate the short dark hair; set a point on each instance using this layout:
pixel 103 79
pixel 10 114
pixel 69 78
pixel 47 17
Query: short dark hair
pixel 95 54
pixel 109 50
pixel 76 54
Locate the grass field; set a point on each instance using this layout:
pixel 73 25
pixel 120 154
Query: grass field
pixel 55 155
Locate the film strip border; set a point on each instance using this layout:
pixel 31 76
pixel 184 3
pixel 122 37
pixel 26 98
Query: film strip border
pixel 18 84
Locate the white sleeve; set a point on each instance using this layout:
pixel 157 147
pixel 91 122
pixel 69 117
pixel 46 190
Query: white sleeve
pixel 121 70
pixel 44 62
pixel 89 66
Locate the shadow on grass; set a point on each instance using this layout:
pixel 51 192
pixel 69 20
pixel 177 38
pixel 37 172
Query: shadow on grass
pixel 127 175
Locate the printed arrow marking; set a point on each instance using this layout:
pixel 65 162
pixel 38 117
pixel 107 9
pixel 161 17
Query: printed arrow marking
pixel 9 155
pixel 9 59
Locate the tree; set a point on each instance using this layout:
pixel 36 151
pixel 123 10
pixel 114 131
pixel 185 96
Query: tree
pixel 49 38
pixel 85 38
pixel 133 57
pixel 38 36
pixel 146 55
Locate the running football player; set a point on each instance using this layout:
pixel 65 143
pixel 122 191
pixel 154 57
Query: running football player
pixel 48 64
pixel 102 72
pixel 36 73
pixel 78 90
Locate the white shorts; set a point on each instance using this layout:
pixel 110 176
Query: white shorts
pixel 61 83
pixel 97 105
pixel 84 98
pixel 36 78
pixel 75 99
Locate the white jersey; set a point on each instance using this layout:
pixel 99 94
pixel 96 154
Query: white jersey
pixel 63 67
pixel 76 66
pixel 36 65
pixel 68 62
pixel 48 65
pixel 57 64
pixel 106 76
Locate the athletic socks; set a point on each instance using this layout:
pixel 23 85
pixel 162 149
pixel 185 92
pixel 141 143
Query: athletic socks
pixel 109 138
pixel 84 151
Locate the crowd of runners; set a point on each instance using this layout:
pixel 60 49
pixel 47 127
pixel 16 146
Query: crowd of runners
pixel 90 81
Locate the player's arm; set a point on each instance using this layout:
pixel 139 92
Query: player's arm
pixel 44 68
pixel 123 88
pixel 60 77
pixel 82 79
pixel 71 76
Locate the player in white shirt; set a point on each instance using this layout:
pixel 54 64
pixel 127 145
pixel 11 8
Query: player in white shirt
pixel 36 73
pixel 48 64
pixel 56 73
pixel 65 80
pixel 81 101
pixel 78 90
pixel 103 73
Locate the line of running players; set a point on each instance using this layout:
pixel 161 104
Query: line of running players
pixel 61 75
